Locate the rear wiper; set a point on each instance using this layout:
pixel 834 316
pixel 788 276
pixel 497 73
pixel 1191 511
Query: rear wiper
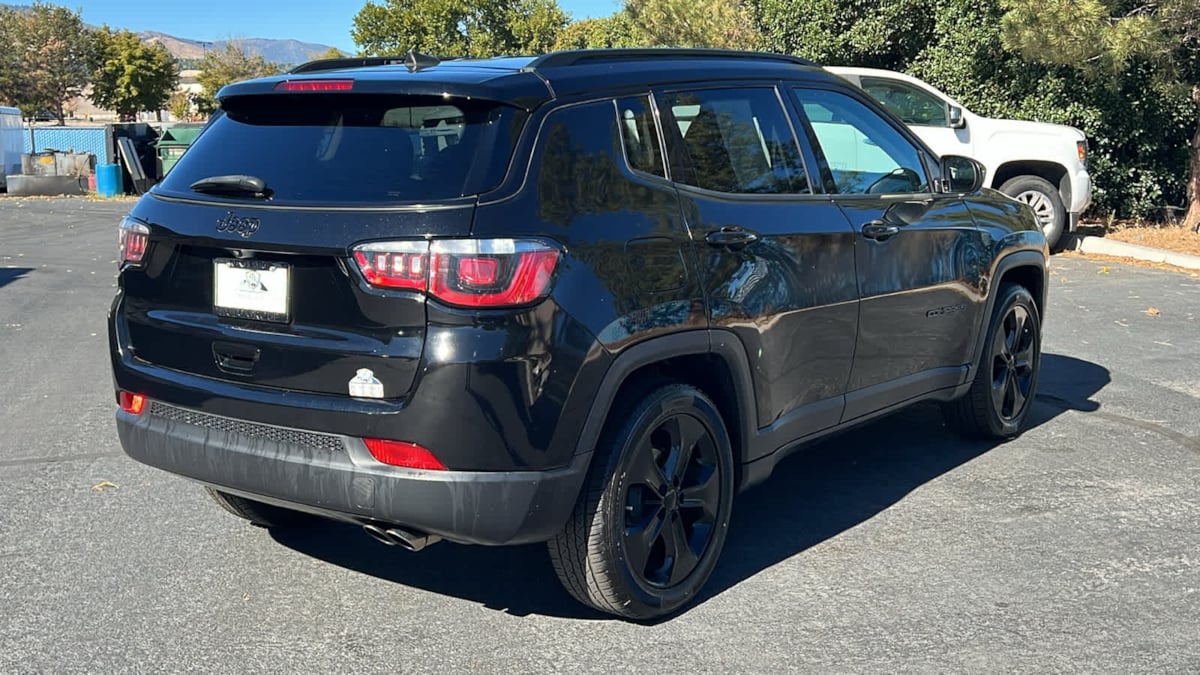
pixel 233 185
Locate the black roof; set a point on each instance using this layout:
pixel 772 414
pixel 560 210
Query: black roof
pixel 528 81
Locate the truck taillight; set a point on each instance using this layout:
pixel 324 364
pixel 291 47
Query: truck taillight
pixel 133 238
pixel 463 272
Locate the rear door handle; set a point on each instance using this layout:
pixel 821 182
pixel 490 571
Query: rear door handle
pixel 880 230
pixel 731 236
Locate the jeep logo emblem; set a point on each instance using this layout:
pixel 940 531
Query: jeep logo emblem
pixel 244 227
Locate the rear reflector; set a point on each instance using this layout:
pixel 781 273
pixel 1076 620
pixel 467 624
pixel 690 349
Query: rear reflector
pixel 400 453
pixel 132 403
pixel 315 85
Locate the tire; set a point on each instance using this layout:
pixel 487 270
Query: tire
pixel 645 537
pixel 263 515
pixel 1046 202
pixel 997 405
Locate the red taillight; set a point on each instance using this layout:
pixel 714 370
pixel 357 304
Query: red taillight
pixel 133 240
pixel 398 265
pixel 401 453
pixel 463 272
pixel 132 403
pixel 477 271
pixel 315 85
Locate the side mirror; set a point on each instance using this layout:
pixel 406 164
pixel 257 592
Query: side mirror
pixel 961 174
pixel 957 120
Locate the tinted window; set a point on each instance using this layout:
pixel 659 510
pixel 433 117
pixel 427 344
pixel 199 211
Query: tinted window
pixel 355 148
pixel 864 152
pixel 640 136
pixel 909 103
pixel 738 141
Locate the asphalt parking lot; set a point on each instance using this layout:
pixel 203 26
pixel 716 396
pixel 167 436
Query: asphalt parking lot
pixel 897 547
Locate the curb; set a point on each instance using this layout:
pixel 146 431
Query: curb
pixel 1102 246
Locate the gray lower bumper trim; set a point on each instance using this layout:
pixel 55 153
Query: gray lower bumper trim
pixel 465 506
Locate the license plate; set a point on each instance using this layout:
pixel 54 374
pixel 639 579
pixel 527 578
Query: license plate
pixel 251 289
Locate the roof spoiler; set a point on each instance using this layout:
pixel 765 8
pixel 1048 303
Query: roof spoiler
pixel 413 60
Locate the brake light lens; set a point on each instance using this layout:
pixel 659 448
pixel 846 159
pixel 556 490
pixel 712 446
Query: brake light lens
pixel 402 453
pixel 132 403
pixel 133 238
pixel 397 264
pixel 315 85
pixel 485 273
pixel 1082 148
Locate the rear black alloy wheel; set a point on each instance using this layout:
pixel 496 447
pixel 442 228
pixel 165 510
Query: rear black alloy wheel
pixel 1005 383
pixel 653 516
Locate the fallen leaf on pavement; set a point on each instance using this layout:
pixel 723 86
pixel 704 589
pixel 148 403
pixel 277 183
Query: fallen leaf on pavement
pixel 1103 270
pixel 1153 311
pixel 104 485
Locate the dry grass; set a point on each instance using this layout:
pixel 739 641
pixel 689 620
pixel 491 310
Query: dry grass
pixel 1167 237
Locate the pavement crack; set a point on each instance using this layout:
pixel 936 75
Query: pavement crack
pixel 53 460
pixel 1186 441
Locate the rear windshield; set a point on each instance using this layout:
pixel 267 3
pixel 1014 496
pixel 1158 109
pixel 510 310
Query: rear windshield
pixel 354 148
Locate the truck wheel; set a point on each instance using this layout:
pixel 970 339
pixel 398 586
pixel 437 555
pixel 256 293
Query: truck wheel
pixel 652 517
pixel 263 515
pixel 1046 202
pixel 1001 396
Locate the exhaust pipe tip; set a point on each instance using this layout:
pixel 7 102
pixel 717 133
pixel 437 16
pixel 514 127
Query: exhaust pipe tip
pixel 379 534
pixel 411 541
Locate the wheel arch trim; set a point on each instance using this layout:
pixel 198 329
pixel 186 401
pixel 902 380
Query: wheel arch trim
pixel 720 343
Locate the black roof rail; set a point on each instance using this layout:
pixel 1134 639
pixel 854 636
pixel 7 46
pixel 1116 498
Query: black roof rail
pixel 585 56
pixel 412 60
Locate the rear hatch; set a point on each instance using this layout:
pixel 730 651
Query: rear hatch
pixel 248 274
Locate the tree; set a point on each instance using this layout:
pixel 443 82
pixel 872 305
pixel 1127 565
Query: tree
pixel 1107 37
pixel 180 105
pixel 609 31
pixel 129 76
pixel 454 28
pixel 47 57
pixel 331 53
pixel 844 32
pixel 225 65
pixel 693 23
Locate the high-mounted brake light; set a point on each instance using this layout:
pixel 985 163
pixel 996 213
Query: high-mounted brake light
pixel 132 403
pixel 463 272
pixel 315 85
pixel 133 239
pixel 401 453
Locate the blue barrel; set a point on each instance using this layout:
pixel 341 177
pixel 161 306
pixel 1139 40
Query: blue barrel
pixel 108 180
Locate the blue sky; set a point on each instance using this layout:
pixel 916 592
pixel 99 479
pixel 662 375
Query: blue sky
pixel 325 22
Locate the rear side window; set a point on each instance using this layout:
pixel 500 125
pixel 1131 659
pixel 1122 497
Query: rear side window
pixel 359 148
pixel 640 136
pixel 737 141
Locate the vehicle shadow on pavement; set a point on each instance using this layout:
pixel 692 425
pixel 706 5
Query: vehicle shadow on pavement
pixel 820 492
pixel 11 274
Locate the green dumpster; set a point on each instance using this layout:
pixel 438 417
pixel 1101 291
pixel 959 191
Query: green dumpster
pixel 172 144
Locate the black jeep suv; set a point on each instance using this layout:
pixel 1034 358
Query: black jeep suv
pixel 582 299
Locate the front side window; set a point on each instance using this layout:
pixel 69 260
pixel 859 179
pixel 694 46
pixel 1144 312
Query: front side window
pixel 865 154
pixel 737 141
pixel 912 105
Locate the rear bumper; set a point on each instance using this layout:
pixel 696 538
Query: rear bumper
pixel 334 476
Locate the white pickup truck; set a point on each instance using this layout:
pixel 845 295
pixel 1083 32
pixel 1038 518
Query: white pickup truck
pixel 1043 165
